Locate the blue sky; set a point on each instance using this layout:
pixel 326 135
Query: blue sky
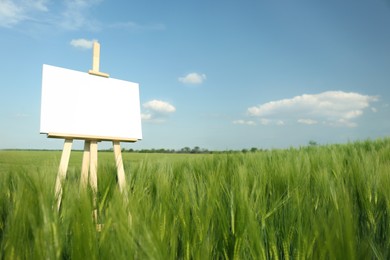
pixel 219 74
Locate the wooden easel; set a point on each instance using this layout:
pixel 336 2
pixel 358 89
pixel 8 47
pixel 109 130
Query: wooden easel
pixel 90 158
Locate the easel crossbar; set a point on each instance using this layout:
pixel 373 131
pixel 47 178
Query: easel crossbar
pixel 90 137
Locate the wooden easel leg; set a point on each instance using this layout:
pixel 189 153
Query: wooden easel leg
pixel 120 169
pixel 85 165
pixel 93 176
pixel 93 167
pixel 121 174
pixel 62 170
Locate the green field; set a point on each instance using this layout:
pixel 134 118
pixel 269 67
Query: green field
pixel 318 202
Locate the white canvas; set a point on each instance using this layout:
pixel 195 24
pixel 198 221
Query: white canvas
pixel 79 104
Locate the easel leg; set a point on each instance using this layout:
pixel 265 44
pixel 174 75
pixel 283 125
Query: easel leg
pixel 121 174
pixel 62 170
pixel 120 169
pixel 85 165
pixel 93 169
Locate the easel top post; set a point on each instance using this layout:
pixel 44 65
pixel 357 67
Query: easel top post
pixel 96 61
pixel 96 56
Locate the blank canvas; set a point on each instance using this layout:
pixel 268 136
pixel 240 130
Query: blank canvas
pixel 75 103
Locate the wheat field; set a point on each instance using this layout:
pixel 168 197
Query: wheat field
pixel 318 202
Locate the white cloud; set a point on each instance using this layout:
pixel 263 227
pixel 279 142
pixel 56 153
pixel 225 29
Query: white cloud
pixel 72 14
pixel 193 78
pixel 82 43
pixel 343 122
pixel 146 116
pixel 157 110
pixel 159 106
pixel 10 14
pixel 244 122
pixel 36 16
pixel 265 121
pixel 40 5
pixel 332 107
pixel 133 26
pixel 76 15
pixel 307 121
pixel 262 121
pixel 13 12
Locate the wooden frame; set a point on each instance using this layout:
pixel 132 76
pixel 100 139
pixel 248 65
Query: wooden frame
pixel 90 137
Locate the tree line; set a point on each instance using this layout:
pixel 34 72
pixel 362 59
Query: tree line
pixel 188 150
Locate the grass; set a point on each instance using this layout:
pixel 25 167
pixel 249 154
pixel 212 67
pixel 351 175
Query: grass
pixel 325 202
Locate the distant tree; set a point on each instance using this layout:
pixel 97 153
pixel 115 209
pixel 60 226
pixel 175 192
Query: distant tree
pixel 253 149
pixel 205 151
pixel 312 143
pixel 185 150
pixel 196 149
pixel 244 150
